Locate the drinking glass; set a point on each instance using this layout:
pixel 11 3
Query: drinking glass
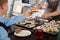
pixel 39 33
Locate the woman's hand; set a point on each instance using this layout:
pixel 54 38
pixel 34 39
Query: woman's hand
pixel 45 15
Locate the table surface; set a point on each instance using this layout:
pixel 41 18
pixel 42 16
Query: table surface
pixel 33 36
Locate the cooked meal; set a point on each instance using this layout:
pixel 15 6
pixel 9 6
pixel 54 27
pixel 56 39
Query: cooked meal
pixel 17 30
pixel 51 26
pixel 30 25
pixel 22 22
pixel 28 21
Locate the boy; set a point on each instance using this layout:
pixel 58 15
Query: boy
pixel 7 21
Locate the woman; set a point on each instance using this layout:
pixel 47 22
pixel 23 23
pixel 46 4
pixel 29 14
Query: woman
pixel 54 5
pixel 7 21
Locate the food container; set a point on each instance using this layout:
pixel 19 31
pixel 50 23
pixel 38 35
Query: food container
pixel 49 28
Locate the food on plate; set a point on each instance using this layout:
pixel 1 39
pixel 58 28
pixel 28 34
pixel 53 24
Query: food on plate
pixel 55 29
pixel 47 30
pixel 17 30
pixel 51 26
pixel 22 22
pixel 33 25
pixel 30 25
pixel 58 21
pixel 23 33
pixel 27 21
pixel 33 10
pixel 39 27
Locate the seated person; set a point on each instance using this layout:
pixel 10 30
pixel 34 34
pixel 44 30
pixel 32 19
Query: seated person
pixel 55 6
pixel 7 21
pixel 55 9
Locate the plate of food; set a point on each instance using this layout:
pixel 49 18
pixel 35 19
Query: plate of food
pixel 22 33
pixel 28 23
pixel 50 27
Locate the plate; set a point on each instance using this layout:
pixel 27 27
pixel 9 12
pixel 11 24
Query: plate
pixel 23 33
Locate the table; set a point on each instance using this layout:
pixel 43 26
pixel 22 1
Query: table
pixel 32 36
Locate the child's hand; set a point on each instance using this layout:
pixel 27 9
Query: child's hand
pixel 28 13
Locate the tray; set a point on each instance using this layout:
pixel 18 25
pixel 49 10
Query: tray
pixel 51 33
pixel 30 25
pixel 34 22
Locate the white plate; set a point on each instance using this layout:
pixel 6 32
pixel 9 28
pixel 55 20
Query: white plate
pixel 23 33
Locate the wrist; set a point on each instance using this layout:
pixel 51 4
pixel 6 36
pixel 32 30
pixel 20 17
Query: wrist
pixel 54 13
pixel 50 14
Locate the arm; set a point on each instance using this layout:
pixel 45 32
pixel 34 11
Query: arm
pixel 47 15
pixel 14 19
pixel 55 13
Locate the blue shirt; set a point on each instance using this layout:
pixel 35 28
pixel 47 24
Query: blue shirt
pixel 8 22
